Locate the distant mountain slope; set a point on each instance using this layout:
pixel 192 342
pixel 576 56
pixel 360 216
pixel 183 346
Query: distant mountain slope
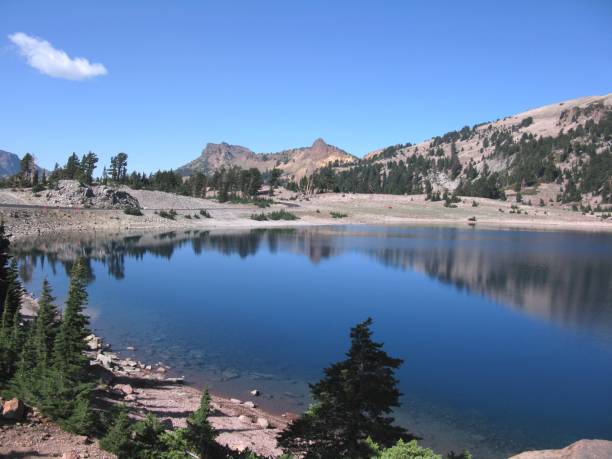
pixel 294 163
pixel 9 163
pixel 546 121
pixel 565 148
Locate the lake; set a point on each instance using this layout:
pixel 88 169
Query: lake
pixel 506 336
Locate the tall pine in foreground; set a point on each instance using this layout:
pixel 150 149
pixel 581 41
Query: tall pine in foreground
pixel 353 405
pixel 66 388
pixel 69 347
pixel 34 365
pixel 11 332
pixel 4 258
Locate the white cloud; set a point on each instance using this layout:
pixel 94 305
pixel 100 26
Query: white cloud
pixel 41 55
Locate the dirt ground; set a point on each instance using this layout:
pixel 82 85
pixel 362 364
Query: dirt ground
pixel 368 209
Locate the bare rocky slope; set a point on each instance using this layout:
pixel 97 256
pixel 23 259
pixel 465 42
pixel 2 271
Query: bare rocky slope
pixel 295 163
pixel 566 147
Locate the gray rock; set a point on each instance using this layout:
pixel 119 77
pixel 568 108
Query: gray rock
pixel 125 388
pixel 105 359
pixel 70 193
pixel 93 342
pixel 263 423
pixel 249 404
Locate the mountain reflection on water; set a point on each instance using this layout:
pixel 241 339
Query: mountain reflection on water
pixel 563 277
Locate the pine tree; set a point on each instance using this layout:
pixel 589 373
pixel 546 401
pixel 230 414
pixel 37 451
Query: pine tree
pixel 69 344
pixel 33 367
pixel 46 325
pixel 200 434
pixel 118 439
pixel 81 420
pixel 4 258
pixel 353 402
pixel 11 336
pixel 65 390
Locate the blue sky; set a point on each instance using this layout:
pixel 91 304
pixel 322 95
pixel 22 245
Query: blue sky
pixel 270 75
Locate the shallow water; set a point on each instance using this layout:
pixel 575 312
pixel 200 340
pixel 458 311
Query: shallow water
pixel 506 335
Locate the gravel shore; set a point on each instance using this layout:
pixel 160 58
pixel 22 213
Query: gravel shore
pixel 22 220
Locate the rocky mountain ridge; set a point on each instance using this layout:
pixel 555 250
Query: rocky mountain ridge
pixel 295 163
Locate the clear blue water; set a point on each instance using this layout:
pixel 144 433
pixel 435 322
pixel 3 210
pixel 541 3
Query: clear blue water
pixel 506 335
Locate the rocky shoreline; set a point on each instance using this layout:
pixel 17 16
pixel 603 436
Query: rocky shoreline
pixel 144 388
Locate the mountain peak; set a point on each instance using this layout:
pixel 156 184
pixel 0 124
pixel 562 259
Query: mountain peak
pixel 319 143
pixel 295 163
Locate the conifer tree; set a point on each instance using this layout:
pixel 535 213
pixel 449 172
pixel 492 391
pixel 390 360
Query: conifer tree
pixel 65 390
pixel 118 439
pixel 69 345
pixel 46 325
pixel 200 434
pixel 11 336
pixel 33 367
pixel 4 258
pixel 353 404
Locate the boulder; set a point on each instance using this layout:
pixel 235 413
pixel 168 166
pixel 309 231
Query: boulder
pixel 245 419
pixel 130 398
pixel 236 401
pixel 128 363
pixel 255 393
pixel 249 404
pixel 71 455
pixel 125 388
pixel 93 342
pixel 105 359
pixel 13 409
pixel 263 423
pixel 101 373
pixel 70 193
